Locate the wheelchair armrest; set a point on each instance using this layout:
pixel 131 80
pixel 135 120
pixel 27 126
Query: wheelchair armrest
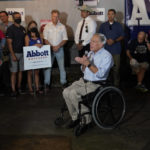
pixel 88 98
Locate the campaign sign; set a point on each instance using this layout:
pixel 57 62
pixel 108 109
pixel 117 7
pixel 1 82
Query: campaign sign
pixel 137 17
pixel 10 11
pixel 36 58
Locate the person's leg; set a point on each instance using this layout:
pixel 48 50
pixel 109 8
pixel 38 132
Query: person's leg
pixel 140 75
pixel 47 72
pixel 60 60
pixel 13 70
pixel 20 70
pixel 37 79
pixel 13 81
pixel 67 94
pixel 29 74
pixel 116 70
pixel 19 79
pixel 72 96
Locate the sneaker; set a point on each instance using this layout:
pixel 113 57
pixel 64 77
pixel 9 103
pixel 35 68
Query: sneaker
pixel 141 88
pixel 72 124
pixel 20 91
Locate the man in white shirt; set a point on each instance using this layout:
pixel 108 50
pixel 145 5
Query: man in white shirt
pixel 85 30
pixel 55 35
pixel 96 67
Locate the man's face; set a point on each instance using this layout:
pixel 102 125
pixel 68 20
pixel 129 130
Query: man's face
pixel 17 16
pixel 3 17
pixel 141 36
pixel 55 18
pixel 111 16
pixel 84 14
pixel 95 43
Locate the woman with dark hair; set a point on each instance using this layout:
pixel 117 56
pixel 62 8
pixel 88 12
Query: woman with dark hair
pixel 33 39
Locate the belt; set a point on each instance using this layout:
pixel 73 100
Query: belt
pixel 96 82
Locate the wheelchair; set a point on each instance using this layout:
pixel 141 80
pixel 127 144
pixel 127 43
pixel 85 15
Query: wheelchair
pixel 106 107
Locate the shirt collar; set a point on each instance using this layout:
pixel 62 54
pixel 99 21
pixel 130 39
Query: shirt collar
pixel 98 52
pixel 87 18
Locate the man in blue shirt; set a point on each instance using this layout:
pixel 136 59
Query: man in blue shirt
pixel 114 34
pixel 95 66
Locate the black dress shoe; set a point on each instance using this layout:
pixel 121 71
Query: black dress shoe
pixel 72 124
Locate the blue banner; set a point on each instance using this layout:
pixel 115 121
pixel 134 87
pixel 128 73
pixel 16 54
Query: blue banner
pixel 137 17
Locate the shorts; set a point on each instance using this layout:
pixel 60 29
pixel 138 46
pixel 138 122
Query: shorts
pixel 136 68
pixel 16 66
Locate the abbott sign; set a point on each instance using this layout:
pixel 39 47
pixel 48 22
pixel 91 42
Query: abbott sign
pixel 36 58
pixel 137 17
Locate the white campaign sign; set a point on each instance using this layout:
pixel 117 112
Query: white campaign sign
pixel 98 14
pixel 36 58
pixel 10 11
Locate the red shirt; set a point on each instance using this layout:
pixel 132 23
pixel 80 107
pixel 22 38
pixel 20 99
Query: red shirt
pixel 1 35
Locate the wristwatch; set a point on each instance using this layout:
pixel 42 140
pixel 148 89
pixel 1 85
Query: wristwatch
pixel 89 65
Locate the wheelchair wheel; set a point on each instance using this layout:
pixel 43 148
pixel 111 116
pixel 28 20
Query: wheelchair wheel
pixel 108 108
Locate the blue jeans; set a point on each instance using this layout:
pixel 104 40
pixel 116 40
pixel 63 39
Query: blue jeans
pixel 60 60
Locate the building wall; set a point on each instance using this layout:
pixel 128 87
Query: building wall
pixel 70 15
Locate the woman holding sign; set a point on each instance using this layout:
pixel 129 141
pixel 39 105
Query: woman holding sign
pixel 33 39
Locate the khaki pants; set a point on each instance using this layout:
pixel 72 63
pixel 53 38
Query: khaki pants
pixel 72 96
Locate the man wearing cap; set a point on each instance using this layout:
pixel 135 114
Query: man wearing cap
pixel 85 30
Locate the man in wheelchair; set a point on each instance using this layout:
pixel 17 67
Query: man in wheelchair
pixel 95 67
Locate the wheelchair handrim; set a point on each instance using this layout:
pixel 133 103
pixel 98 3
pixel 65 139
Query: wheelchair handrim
pixel 95 103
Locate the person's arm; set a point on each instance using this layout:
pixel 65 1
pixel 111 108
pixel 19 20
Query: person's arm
pixel 45 36
pixel 63 42
pixel 10 47
pixel 129 54
pixel 148 45
pixel 119 39
pixel 3 41
pixel 27 40
pixel 86 63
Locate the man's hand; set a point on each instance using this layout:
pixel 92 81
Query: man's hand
pixel 82 60
pixel 79 47
pixel 55 48
pixel 14 58
pixel 110 42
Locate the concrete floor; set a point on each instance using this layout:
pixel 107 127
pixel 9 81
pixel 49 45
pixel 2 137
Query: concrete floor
pixel 29 115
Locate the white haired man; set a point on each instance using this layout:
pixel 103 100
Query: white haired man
pixel 95 66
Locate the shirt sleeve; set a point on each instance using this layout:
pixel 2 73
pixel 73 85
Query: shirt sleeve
pixel 104 67
pixel 92 31
pixel 120 30
pixel 45 32
pixel 9 33
pixel 77 34
pixel 1 35
pixel 65 37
